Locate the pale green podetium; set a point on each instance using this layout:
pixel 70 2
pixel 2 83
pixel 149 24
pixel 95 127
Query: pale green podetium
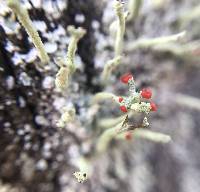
pixel 68 67
pixel 119 25
pixel 23 17
pixel 134 7
pixel 108 135
pixel 153 42
pixel 109 67
pixel 119 8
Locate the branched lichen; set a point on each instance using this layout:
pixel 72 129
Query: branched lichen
pixel 132 103
pixel 135 102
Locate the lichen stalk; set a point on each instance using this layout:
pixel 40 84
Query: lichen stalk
pixel 134 9
pixel 68 67
pixel 151 42
pixel 24 19
pixel 149 135
pixel 76 35
pixel 102 96
pixel 109 67
pixel 119 8
pixel 106 137
pixel 119 41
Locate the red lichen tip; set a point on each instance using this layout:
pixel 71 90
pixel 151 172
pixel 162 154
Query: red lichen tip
pixel 128 136
pixel 153 106
pixel 126 77
pixel 123 109
pixel 120 99
pixel 146 93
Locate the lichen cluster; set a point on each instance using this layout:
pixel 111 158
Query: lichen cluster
pixel 136 102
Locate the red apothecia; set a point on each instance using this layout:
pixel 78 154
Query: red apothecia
pixel 123 108
pixel 126 77
pixel 153 106
pixel 128 135
pixel 120 99
pixel 146 93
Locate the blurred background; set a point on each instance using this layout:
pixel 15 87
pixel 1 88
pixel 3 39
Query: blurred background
pixel 37 156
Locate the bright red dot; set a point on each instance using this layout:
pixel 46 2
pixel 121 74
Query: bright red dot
pixel 146 93
pixel 153 106
pixel 126 77
pixel 123 109
pixel 128 136
pixel 120 99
